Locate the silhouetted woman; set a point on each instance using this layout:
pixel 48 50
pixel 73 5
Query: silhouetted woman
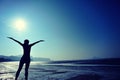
pixel 26 56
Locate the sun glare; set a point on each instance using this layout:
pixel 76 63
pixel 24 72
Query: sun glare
pixel 19 24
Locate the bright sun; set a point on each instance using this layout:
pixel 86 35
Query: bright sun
pixel 19 24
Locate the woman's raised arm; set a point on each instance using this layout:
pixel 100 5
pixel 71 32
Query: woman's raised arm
pixel 15 40
pixel 36 42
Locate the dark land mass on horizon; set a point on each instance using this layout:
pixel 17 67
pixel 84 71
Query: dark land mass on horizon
pixel 107 61
pixel 17 58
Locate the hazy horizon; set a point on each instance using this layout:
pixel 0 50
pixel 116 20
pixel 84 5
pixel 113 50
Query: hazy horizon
pixel 72 29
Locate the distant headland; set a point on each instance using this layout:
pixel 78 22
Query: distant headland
pixel 4 58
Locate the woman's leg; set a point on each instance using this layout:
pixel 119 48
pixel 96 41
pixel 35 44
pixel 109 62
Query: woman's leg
pixel 26 70
pixel 19 69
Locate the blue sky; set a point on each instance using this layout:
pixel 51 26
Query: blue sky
pixel 72 29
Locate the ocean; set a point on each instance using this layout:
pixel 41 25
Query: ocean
pixel 61 71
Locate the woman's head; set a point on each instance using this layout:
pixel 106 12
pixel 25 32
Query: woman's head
pixel 26 41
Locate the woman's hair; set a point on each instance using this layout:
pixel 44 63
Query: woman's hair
pixel 26 41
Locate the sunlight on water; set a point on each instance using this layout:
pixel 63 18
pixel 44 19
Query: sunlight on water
pixel 6 77
pixel 37 63
pixel 7 71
